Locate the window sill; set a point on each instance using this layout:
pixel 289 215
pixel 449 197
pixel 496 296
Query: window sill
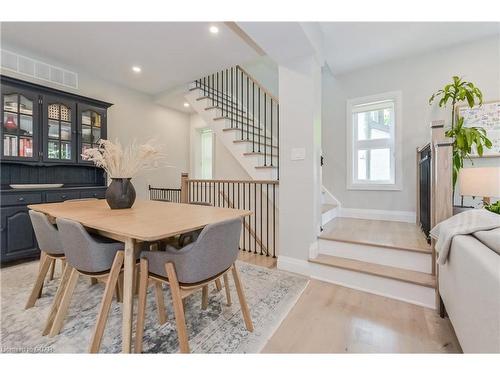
pixel 375 187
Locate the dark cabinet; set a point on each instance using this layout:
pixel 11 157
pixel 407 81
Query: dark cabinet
pixel 44 125
pixel 59 129
pixel 20 116
pixel 91 127
pixel 18 238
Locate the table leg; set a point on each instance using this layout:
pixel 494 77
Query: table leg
pixel 128 284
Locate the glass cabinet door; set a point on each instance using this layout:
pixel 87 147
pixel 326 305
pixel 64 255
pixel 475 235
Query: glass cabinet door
pixel 19 114
pixel 59 130
pixel 91 127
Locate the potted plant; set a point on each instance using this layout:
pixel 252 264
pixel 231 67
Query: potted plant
pixel 464 138
pixel 121 165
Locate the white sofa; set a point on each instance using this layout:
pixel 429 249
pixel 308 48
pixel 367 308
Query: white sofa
pixel 469 285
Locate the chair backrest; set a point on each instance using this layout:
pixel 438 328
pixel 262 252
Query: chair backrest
pixel 215 250
pixel 46 234
pixel 85 252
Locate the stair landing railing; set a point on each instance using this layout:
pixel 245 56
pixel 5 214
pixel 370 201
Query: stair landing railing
pixel 249 107
pixel 259 231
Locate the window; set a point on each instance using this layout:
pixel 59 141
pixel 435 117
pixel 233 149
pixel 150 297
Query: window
pixel 372 138
pixel 206 153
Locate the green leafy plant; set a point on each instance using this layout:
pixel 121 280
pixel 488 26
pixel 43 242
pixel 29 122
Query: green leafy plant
pixel 494 207
pixel 464 138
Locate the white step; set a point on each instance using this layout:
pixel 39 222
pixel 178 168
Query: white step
pixel 410 286
pixel 400 258
pixel 328 213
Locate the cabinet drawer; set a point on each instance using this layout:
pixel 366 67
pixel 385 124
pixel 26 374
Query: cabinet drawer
pixel 60 196
pixel 99 194
pixel 21 199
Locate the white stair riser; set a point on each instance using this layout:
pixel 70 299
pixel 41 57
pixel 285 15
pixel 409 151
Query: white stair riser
pixel 403 291
pixel 409 260
pixel 329 215
pixel 259 159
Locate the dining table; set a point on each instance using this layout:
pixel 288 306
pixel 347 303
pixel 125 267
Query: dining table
pixel 146 221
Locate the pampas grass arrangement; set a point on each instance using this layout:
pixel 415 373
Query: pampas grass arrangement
pixel 119 162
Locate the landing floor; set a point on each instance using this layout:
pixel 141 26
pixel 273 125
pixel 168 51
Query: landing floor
pixel 376 232
pixel 333 319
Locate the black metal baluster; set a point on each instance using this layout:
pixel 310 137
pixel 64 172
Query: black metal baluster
pixel 232 97
pixel 274 221
pixel 267 220
pixel 236 114
pixel 258 122
pixel 244 219
pixel 248 97
pixel 271 134
pixel 223 99
pixel 255 218
pixel 278 140
pixel 261 221
pixel 253 116
pixel 241 113
pixel 265 129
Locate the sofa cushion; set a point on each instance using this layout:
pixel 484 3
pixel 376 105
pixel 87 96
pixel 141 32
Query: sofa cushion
pixel 490 238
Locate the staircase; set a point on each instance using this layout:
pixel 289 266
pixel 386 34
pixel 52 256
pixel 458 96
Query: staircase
pixel 391 259
pixel 243 115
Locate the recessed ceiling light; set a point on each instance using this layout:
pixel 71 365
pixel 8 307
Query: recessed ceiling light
pixel 214 29
pixel 136 69
pixel 186 104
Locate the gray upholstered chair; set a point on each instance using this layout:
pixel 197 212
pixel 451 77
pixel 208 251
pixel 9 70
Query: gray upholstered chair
pixel 51 250
pixel 89 255
pixel 194 266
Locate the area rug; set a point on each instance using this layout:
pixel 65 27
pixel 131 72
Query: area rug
pixel 219 329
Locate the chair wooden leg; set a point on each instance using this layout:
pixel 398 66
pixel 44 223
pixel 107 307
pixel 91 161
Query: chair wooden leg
pixel 63 265
pixel 102 317
pixel 64 305
pixel 52 269
pixel 37 288
pixel 228 292
pixel 57 299
pixel 160 303
pixel 119 289
pixel 218 285
pixel 141 305
pixel 93 281
pixel 178 308
pixel 204 297
pixel 241 296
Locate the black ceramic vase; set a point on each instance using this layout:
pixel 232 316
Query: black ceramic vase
pixel 120 193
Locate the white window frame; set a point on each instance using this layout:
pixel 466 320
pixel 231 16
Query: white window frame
pixel 201 131
pixel 352 144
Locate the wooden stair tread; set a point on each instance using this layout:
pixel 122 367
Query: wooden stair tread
pixel 250 134
pixel 265 167
pixel 327 207
pixel 257 153
pixel 250 141
pixel 413 277
pixel 379 233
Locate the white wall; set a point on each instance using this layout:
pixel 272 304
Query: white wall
pixel 134 115
pixel 225 165
pixel 265 71
pixel 417 77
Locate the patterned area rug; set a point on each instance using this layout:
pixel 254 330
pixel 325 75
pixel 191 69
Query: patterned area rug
pixel 219 329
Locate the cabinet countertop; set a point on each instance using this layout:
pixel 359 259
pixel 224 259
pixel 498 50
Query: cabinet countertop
pixel 10 190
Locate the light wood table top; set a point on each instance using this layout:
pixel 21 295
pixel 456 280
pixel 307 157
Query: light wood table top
pixel 145 221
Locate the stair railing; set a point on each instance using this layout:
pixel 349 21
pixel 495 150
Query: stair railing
pixel 249 107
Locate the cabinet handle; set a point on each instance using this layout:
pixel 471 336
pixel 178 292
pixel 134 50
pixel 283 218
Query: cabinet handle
pixel 20 199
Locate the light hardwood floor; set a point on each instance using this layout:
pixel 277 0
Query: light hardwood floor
pixel 332 319
pixel 376 232
pixel 257 259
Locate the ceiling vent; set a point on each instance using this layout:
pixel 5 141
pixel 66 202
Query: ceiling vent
pixel 38 69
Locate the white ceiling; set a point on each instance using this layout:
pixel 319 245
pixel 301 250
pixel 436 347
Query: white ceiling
pixel 169 53
pixel 353 45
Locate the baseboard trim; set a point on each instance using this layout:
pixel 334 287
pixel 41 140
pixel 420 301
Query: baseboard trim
pixel 339 277
pixel 360 213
